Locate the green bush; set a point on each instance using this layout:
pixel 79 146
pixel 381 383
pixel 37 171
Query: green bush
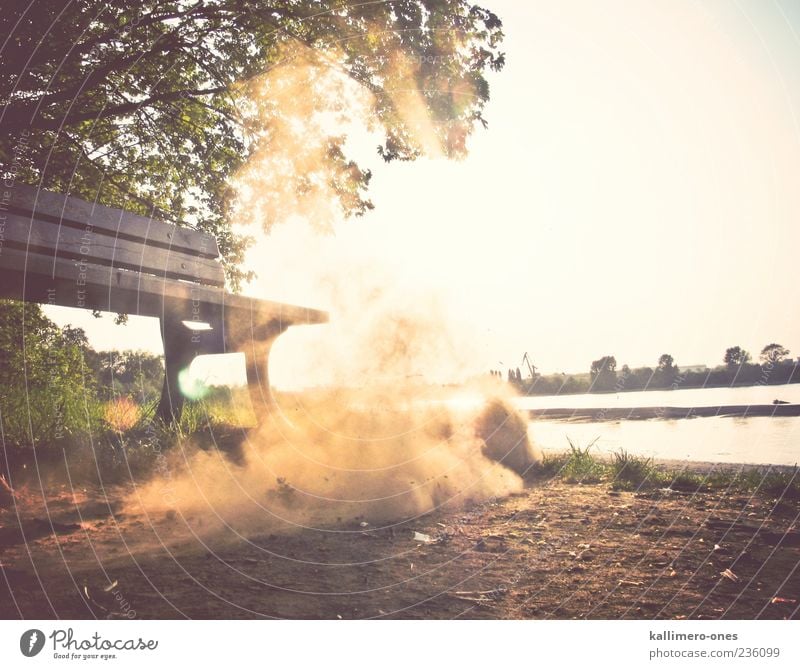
pixel 48 392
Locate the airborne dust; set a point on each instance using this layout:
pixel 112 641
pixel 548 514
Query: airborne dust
pixel 385 443
pixel 392 448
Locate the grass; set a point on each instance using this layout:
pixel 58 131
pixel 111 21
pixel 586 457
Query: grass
pixel 581 466
pixel 627 472
pixel 204 424
pixel 126 440
pixel 578 465
pixel 632 472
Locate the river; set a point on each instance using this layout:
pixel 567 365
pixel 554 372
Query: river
pixel 756 440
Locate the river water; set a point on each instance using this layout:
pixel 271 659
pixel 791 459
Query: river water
pixel 757 440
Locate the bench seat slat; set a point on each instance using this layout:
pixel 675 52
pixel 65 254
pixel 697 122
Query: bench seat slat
pixel 56 241
pixel 37 278
pixel 77 213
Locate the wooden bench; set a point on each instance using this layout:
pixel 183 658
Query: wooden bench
pixel 56 249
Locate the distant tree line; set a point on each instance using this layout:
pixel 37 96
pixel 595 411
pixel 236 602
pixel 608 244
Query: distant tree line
pixel 773 368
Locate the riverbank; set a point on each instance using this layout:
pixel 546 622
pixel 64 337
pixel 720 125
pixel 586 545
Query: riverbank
pixel 671 413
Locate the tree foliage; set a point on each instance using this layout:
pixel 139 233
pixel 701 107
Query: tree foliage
pixel 608 363
pixel 156 105
pixel 45 383
pixel 135 374
pixel 603 373
pixel 666 362
pixel 773 354
pixel 666 372
pixel 736 356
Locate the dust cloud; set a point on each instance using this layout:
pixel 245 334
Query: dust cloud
pixel 383 438
pixel 372 455
pixel 385 449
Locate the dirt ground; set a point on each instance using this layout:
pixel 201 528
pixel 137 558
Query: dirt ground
pixel 553 551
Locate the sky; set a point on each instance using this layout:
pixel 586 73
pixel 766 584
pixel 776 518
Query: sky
pixel 636 193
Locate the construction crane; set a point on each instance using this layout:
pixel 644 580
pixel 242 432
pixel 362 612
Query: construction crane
pixel 531 367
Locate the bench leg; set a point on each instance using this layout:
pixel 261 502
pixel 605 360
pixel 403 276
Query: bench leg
pixel 178 355
pixel 257 366
pixel 252 334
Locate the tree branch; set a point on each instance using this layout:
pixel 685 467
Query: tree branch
pixel 14 120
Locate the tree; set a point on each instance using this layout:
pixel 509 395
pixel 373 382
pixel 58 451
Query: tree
pixel 666 371
pixel 161 106
pixel 736 356
pixel 642 377
pixel 607 363
pixel 772 354
pixel 135 374
pixel 666 362
pixel 572 385
pixel 603 373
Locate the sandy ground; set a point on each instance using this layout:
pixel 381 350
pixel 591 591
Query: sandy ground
pixel 553 551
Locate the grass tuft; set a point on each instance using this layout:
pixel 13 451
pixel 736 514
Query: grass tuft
pixel 581 466
pixel 627 472
pixel 632 472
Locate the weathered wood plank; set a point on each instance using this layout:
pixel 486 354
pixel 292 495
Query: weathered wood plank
pixel 77 213
pixel 56 241
pixel 36 278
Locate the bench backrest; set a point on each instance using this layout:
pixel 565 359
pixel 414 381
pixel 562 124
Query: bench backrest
pixel 50 227
pixel 56 249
